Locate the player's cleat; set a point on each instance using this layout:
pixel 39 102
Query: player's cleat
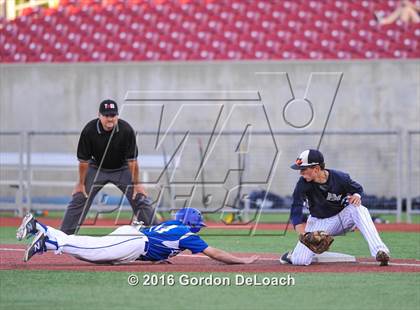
pixel 37 246
pixel 286 258
pixel 137 224
pixel 27 227
pixel 382 257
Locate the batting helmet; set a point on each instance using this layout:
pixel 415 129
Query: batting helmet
pixel 190 217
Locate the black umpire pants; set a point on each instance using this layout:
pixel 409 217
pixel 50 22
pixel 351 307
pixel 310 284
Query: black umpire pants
pixel 95 180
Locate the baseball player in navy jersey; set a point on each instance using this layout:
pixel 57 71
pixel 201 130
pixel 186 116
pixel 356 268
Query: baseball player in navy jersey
pixel 334 202
pixel 127 243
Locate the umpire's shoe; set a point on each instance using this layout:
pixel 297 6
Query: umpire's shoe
pixel 37 246
pixel 286 258
pixel 27 227
pixel 382 257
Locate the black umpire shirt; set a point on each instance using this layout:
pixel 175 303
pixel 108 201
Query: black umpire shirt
pixel 94 140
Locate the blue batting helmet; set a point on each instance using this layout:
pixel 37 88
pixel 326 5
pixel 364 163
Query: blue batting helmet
pixel 190 217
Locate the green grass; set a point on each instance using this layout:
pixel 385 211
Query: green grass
pixel 79 290
pixel 23 289
pixel 401 244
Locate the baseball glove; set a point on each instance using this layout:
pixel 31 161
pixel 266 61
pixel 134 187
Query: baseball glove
pixel 317 241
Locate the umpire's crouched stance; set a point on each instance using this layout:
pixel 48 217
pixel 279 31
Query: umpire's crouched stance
pixel 107 152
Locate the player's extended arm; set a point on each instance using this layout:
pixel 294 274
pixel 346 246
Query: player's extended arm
pixel 228 258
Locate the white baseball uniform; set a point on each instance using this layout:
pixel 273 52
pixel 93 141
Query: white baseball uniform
pixel 344 221
pixel 125 244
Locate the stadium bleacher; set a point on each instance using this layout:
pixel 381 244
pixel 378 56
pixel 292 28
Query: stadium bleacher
pixel 134 30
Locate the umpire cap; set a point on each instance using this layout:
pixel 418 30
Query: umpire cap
pixel 108 107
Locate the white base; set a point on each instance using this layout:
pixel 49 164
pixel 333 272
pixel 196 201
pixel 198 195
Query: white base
pixel 333 257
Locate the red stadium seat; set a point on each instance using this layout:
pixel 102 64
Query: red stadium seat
pixel 135 30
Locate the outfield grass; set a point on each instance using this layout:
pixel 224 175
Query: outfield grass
pixel 79 290
pixel 94 290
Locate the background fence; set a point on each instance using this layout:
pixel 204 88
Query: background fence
pixel 413 175
pixel 39 168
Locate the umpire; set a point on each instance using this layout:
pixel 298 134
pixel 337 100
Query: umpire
pixel 107 153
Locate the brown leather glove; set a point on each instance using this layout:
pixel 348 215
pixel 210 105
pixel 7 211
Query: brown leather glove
pixel 317 241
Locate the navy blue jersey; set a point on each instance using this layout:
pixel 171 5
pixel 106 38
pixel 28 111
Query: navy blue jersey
pixel 169 239
pixel 324 200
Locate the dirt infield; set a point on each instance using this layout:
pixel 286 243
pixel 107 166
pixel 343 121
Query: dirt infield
pixel 11 256
pixel 11 259
pixel 14 222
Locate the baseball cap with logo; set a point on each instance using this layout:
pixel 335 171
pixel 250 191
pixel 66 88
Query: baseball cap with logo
pixel 108 107
pixel 308 158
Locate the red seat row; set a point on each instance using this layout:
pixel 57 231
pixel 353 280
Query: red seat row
pixel 132 30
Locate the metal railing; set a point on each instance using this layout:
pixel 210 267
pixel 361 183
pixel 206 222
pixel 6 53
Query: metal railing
pixel 26 167
pixel 410 172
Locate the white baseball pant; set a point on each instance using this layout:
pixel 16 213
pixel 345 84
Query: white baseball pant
pixel 344 221
pixel 123 245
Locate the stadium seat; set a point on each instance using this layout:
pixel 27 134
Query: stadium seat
pixel 89 30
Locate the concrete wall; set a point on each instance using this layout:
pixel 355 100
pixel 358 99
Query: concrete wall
pixel 373 95
pixel 382 94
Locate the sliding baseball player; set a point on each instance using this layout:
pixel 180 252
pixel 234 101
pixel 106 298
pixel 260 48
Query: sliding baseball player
pixel 127 243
